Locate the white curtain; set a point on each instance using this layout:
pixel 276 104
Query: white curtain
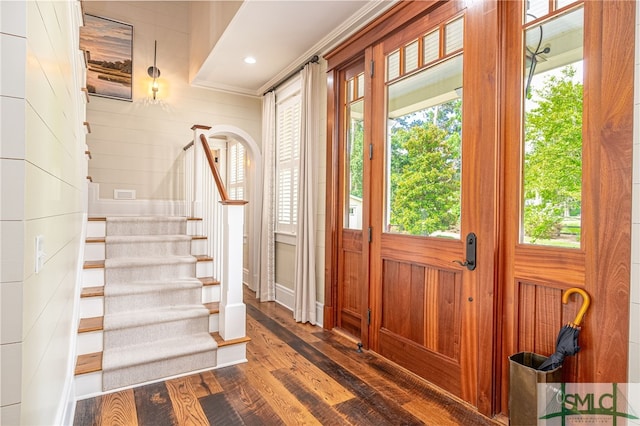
pixel 304 309
pixel 266 287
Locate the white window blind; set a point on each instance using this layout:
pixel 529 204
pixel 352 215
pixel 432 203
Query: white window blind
pixel 287 159
pixel 236 170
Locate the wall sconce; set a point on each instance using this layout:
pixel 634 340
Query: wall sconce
pixel 154 72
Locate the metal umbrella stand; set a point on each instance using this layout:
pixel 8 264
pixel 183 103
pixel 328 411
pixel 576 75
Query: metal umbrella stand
pixel 527 369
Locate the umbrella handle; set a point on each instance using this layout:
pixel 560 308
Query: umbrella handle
pixel 586 301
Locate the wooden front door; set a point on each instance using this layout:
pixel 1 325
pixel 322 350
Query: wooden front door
pixel 432 200
pixel 507 121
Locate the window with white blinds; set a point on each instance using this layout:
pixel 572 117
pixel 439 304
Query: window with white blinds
pixel 287 159
pixel 236 170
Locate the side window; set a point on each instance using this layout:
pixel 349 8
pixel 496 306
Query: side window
pixel 354 151
pixel 552 132
pixel 236 170
pixel 287 156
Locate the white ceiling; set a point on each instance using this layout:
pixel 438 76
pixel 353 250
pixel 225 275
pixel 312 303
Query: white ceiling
pixel 281 35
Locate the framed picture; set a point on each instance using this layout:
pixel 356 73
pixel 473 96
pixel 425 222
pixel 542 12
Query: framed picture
pixel 108 47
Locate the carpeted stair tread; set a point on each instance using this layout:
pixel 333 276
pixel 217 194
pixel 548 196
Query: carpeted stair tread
pixel 150 225
pixel 147 245
pixel 140 219
pixel 155 324
pixel 143 287
pixel 140 295
pixel 174 347
pixel 146 238
pixel 153 316
pixel 131 262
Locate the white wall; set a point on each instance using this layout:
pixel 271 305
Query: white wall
pixel 208 22
pixel 137 145
pixel 43 169
pixel 634 318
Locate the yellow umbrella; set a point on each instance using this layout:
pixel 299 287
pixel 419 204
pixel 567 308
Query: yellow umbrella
pixel 567 341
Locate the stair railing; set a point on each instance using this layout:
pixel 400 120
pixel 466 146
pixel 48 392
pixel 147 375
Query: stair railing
pixel 223 223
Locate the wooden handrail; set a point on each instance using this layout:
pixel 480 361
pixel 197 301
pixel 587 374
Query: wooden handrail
pixel 187 146
pixel 214 170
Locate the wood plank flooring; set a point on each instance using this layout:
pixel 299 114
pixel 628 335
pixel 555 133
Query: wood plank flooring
pixel 297 374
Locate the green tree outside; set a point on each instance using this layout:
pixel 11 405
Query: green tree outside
pixel 425 170
pixel 356 157
pixel 553 156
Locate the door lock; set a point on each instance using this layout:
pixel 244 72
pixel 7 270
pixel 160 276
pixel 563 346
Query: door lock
pixel 470 261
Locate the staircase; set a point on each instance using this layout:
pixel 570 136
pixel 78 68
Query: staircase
pixel 149 305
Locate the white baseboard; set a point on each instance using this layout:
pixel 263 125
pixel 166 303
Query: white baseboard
pixel 110 207
pixel 284 297
pixel 319 314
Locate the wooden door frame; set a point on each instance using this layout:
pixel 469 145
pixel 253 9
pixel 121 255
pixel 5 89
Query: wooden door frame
pixel 342 75
pixel 485 144
pixel 602 265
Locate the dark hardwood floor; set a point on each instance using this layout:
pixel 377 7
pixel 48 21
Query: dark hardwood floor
pixel 296 374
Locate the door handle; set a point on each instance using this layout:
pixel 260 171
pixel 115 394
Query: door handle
pixel 470 261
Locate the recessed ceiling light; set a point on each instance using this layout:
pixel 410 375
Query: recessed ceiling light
pixel 250 60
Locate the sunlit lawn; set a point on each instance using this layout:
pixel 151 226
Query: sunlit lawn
pixel 569 235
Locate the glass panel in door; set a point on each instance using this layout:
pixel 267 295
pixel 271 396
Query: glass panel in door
pixel 424 137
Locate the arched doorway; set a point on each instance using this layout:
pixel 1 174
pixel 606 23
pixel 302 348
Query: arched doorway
pixel 253 171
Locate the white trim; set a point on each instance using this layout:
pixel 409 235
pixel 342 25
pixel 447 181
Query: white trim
pixel 285 298
pixel 66 409
pixel 107 207
pixel 253 176
pixel 245 278
pixel 353 24
pixel 231 355
pixel 288 89
pixel 285 238
pixel 320 314
pixel 225 88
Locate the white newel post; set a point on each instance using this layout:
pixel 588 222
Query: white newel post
pixel 198 168
pixel 232 308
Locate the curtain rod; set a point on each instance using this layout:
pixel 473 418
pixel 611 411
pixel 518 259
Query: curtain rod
pixel 314 59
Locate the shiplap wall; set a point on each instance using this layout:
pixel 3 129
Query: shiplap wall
pixel 43 170
pixel 137 145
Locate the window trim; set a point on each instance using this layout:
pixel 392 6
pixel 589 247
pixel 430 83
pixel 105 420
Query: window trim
pixel 288 96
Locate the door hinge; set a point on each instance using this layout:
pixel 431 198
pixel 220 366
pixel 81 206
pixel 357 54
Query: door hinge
pixel 368 316
pixel 370 151
pixel 371 68
pixel 370 232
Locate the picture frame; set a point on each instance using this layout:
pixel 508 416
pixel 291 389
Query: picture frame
pixel 108 47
